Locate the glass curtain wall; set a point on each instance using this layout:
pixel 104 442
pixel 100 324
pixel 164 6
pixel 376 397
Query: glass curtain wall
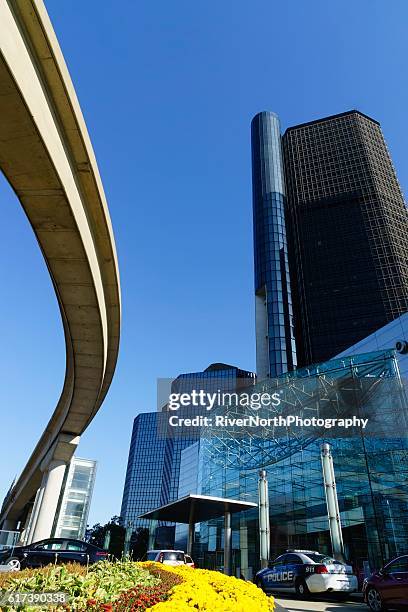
pixel 275 343
pixel 371 473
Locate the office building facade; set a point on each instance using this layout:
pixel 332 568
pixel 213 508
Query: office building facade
pixel 145 470
pixel 348 227
pixel 370 469
pixel 335 191
pixel 153 469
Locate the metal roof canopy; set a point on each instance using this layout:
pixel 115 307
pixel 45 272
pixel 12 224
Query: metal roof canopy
pixel 193 509
pixel 202 507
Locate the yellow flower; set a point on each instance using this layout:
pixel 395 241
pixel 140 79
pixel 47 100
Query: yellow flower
pixel 210 591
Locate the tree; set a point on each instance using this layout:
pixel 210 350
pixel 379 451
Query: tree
pixel 139 543
pixel 96 535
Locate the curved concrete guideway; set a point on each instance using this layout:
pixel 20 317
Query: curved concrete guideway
pixel 47 157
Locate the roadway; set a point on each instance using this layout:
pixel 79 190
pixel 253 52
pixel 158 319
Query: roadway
pixel 319 604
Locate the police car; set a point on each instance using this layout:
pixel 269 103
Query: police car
pixel 305 572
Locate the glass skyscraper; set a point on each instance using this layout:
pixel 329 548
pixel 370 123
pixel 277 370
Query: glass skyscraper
pixel 153 470
pixel 371 469
pixel 147 469
pixel 348 227
pixel 275 343
pixel 331 206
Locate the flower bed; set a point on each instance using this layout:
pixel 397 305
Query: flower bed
pixel 141 598
pixel 125 586
pixel 210 591
pixel 101 583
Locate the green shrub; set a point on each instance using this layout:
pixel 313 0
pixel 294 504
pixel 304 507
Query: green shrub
pixel 102 582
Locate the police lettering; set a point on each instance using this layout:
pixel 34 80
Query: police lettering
pixel 280 577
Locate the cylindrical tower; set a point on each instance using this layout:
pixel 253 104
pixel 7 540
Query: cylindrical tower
pixel 275 342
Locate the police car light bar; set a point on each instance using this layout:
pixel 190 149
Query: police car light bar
pixel 305 552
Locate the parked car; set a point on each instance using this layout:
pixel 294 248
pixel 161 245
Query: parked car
pixel 305 572
pixel 388 588
pixel 54 550
pixel 170 557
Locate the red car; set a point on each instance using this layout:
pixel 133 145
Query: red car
pixel 387 589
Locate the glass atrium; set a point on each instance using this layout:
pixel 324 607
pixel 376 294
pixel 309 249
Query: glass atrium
pixel 371 467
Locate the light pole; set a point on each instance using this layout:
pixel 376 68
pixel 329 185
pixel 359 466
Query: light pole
pixel 264 529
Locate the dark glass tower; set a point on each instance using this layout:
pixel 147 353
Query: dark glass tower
pixel 148 467
pixel 275 343
pixel 153 469
pixel 348 233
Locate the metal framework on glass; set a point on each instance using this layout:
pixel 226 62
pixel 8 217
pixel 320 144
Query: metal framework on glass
pixel 371 468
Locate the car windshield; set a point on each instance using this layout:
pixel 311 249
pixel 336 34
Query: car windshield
pixel 173 556
pixel 324 559
pixel 151 556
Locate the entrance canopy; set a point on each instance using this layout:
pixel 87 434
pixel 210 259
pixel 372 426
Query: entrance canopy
pixel 193 509
pixel 197 508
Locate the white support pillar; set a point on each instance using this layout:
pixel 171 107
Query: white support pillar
pixel 26 525
pixel 54 477
pixel 53 468
pixel 264 525
pixel 333 512
pixel 35 511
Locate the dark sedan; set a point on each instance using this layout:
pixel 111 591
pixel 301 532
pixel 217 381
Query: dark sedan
pixel 55 550
pixel 387 589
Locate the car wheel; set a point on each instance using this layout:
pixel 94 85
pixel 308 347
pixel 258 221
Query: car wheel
pixel 374 601
pixel 14 564
pixel 301 589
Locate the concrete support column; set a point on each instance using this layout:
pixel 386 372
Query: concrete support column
pixel 48 495
pixel 227 542
pixel 9 525
pixel 26 524
pixel 35 511
pixel 54 477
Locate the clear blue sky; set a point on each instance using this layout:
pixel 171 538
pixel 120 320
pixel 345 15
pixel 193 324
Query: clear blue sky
pixel 168 90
